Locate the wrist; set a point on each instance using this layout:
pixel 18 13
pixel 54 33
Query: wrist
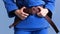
pixel 17 10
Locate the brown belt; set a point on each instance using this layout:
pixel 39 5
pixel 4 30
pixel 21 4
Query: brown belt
pixel 35 10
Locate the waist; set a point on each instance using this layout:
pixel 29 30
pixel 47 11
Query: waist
pixel 32 10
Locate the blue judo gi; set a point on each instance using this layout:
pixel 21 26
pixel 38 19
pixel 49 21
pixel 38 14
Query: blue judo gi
pixel 33 23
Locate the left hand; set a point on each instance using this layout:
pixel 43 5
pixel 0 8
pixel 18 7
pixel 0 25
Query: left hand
pixel 43 11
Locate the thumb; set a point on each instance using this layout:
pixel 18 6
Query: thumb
pixel 41 8
pixel 23 8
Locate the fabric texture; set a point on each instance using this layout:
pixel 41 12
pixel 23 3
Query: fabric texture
pixel 31 31
pixel 32 21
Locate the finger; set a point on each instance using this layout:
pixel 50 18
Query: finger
pixel 44 12
pixel 33 9
pixel 41 8
pixel 22 17
pixel 23 8
pixel 39 14
pixel 25 14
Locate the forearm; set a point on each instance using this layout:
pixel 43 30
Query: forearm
pixel 10 7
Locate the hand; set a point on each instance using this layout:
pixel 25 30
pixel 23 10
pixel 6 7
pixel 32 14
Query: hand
pixel 43 11
pixel 22 15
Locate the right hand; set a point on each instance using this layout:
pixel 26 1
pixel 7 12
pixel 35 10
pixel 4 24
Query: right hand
pixel 22 15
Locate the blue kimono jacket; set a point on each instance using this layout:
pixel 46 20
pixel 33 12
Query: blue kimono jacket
pixel 32 21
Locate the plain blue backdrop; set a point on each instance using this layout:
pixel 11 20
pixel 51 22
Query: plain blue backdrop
pixel 5 21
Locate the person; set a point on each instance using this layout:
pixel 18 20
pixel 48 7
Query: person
pixel 30 24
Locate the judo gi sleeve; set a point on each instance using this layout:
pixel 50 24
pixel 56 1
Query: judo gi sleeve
pixel 50 5
pixel 11 6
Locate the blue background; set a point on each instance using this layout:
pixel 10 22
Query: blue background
pixel 5 21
